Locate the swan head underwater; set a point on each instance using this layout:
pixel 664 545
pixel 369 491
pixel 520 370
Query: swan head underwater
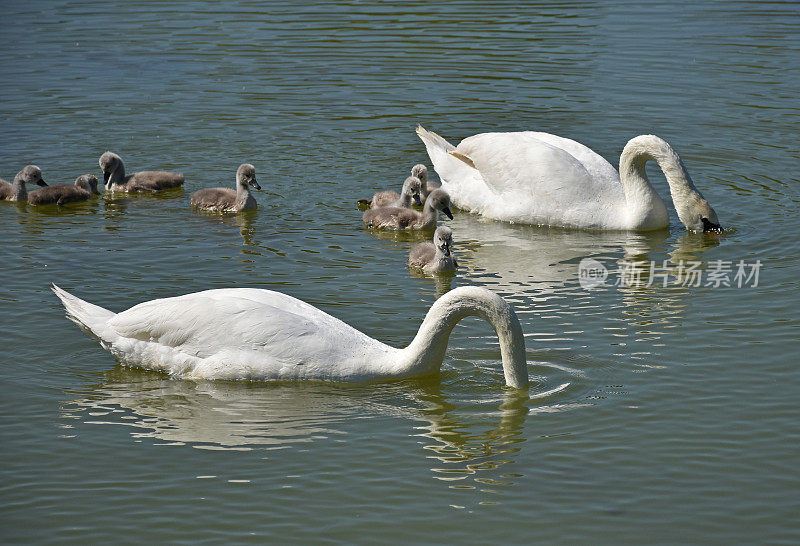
pixel 696 214
pixel 693 209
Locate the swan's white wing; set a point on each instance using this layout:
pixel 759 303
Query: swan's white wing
pixel 594 163
pixel 240 332
pixel 542 179
pixel 526 163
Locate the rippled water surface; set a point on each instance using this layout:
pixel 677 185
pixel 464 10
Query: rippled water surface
pixel 656 413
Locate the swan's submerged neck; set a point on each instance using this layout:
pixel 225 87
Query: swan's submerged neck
pixel 426 351
pixel 644 204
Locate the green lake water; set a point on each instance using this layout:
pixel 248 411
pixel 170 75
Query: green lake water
pixel 656 414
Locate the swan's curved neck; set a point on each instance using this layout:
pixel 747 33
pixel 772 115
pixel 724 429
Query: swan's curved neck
pixel 117 176
pixel 18 189
pixel 639 192
pixel 429 211
pixel 423 178
pixel 405 197
pixel 426 351
pixel 242 192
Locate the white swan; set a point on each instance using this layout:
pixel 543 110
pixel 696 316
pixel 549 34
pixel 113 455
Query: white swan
pixel 539 178
pixel 227 199
pixel 436 256
pixel 248 333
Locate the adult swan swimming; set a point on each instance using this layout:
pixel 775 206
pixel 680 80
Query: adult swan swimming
pixel 538 178
pixel 249 333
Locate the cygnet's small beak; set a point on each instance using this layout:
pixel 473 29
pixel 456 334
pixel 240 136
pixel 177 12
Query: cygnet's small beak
pixel 106 176
pixel 445 248
pixel 417 200
pixel 254 184
pixel 446 211
pixel 711 227
pixel 41 183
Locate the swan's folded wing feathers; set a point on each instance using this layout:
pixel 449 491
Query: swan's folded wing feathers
pixel 218 198
pixel 594 163
pixel 421 254
pixel 521 162
pixel 279 327
pixel 465 158
pixel 157 179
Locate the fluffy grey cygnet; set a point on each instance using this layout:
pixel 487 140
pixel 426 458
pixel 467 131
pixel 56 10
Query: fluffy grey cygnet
pixel 400 218
pixel 83 189
pixel 116 180
pixel 16 191
pixel 410 193
pixel 421 171
pixel 227 199
pixel 436 256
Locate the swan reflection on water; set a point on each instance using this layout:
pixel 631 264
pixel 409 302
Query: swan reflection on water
pixel 242 220
pixel 536 261
pixel 246 416
pixel 537 270
pixel 514 257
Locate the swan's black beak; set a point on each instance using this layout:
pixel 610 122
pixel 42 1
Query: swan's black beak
pixel 445 249
pixel 710 227
pixel 106 176
pixel 446 211
pixel 41 183
pixel 254 184
pixel 417 200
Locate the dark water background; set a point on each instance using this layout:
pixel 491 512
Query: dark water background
pixel 657 414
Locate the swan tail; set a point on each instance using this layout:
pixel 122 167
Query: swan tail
pixel 449 164
pixel 92 319
pixel 437 147
pixel 429 137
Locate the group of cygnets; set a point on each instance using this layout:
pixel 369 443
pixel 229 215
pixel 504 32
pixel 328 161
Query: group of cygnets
pixel 390 210
pixel 115 180
pixel 386 210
